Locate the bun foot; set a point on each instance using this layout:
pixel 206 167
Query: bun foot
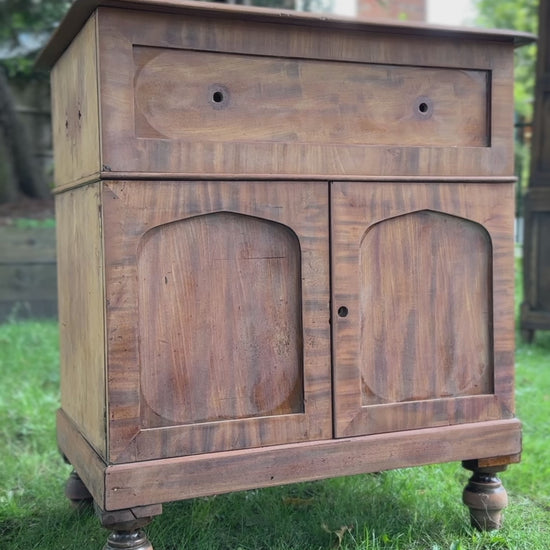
pixel 126 527
pixel 486 498
pixel 129 540
pixel 76 491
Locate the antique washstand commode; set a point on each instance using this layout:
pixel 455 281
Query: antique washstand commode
pixel 285 251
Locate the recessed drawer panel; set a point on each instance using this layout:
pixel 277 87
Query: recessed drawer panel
pixel 211 97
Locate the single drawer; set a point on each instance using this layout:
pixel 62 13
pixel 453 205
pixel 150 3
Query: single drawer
pixel 191 96
pixel 176 96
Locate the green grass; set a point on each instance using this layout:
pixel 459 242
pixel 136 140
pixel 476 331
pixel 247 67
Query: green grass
pixel 31 223
pixel 418 508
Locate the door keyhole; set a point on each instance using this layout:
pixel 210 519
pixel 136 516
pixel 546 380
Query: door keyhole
pixel 343 311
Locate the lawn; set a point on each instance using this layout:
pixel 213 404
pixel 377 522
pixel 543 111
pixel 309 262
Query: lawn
pixel 418 508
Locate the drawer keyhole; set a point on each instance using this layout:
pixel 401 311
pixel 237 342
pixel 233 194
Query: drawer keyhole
pixel 217 97
pixel 343 311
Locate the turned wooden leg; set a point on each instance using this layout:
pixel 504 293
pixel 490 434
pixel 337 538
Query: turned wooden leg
pixel 485 496
pixel 76 491
pixel 126 526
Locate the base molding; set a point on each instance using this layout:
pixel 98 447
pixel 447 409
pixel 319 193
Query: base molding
pixel 120 486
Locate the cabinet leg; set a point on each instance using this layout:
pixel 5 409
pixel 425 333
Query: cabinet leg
pixel 485 496
pixel 130 540
pixel 126 527
pixel 76 491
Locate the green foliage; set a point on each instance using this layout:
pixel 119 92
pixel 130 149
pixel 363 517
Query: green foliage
pixel 521 15
pixel 31 17
pixel 17 16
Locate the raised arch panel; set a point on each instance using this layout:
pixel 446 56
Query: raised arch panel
pixel 220 297
pixel 425 302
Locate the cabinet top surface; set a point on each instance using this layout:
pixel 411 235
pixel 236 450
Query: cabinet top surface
pixel 82 9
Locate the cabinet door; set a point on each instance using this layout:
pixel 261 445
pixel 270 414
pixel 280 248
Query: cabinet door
pixel 423 305
pixel 217 316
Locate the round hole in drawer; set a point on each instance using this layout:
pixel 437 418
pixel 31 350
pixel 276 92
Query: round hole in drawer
pixel 423 107
pixel 218 96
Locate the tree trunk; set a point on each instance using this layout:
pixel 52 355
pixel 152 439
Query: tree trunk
pixel 19 173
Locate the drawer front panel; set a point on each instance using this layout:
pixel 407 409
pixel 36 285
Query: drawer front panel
pixel 203 96
pixel 186 97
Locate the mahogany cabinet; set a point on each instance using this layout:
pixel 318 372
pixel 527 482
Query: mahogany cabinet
pixel 285 247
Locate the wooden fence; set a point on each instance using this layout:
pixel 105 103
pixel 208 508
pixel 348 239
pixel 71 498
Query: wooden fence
pixel 28 282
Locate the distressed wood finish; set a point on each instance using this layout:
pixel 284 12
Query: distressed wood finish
pixel 281 99
pixel 425 273
pixel 220 292
pixel 88 464
pixel 395 116
pixel 190 477
pixel 285 250
pixel 137 45
pixel 156 481
pixel 75 109
pixel 81 292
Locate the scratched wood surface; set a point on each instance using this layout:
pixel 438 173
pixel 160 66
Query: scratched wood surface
pixel 204 285
pixel 217 316
pixel 240 100
pixel 193 476
pixel 202 246
pixel 155 481
pixel 81 312
pixel 424 272
pixel 281 100
pixel 75 110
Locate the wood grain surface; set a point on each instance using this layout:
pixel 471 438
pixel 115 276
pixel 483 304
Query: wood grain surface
pixel 221 293
pixel 217 316
pixel 194 476
pixel 81 10
pixel 75 110
pixel 207 97
pixel 81 292
pixel 425 274
pixel 297 100
pixel 285 247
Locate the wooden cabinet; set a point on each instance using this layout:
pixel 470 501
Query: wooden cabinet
pixel 285 252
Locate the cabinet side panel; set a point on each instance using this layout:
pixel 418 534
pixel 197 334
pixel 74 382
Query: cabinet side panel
pixel 75 109
pixel 81 312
